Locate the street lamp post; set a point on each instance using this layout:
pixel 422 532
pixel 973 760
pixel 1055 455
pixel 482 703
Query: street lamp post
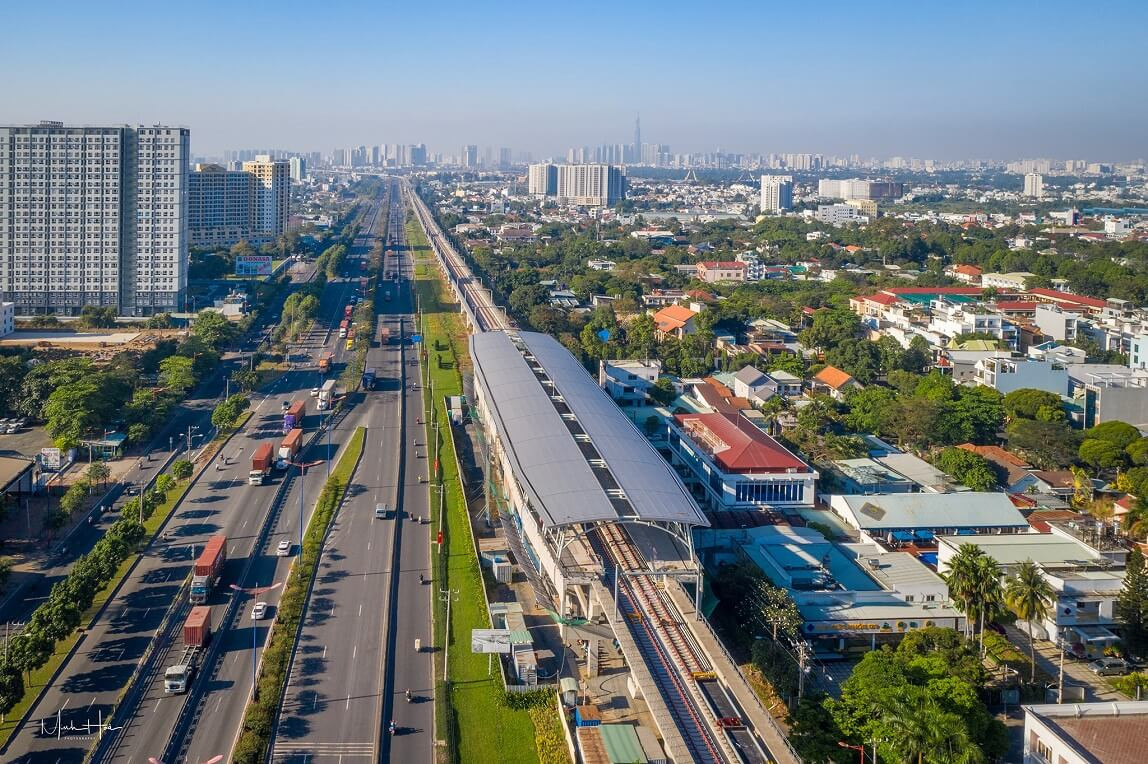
pixel 255 592
pixel 860 748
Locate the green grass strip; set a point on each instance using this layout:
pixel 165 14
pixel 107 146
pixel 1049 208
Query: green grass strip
pixel 259 718
pixel 472 718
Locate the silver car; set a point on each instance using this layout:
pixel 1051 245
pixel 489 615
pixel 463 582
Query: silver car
pixel 1109 667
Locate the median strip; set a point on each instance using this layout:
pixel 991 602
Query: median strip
pixel 259 719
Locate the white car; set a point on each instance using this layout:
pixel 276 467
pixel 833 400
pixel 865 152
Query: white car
pixel 284 548
pixel 259 611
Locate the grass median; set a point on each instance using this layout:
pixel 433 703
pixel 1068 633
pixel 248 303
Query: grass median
pixel 259 719
pixel 471 717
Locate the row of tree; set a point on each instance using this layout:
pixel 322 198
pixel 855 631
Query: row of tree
pixel 70 597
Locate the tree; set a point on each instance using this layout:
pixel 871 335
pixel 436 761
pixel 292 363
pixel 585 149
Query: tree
pixel 182 470
pixel 1137 451
pixel 918 729
pixel 99 472
pixel 1100 454
pixel 962 579
pixel 1027 402
pixel 978 413
pixel 1132 602
pixel 641 334
pixel 861 358
pixel 788 362
pixel 214 329
pixel 662 392
pixel 869 408
pixel 11 687
pixel 177 374
pixel 1050 445
pixel 526 297
pixel 1030 597
pixel 227 413
pixel 830 328
pixel 967 467
pixel 1119 434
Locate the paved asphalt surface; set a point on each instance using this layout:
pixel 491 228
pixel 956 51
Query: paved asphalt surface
pixel 221 501
pixel 363 614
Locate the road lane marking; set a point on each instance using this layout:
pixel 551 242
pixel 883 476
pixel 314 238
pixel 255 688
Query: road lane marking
pixel 156 705
pixel 354 652
pixel 324 652
pixel 360 608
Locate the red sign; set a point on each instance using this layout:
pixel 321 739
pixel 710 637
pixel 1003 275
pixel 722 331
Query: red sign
pixel 440 538
pixel 436 465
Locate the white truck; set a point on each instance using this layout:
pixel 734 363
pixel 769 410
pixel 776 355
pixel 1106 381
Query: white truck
pixel 326 395
pixel 196 634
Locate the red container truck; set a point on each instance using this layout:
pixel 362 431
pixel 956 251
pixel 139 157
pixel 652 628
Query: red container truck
pixel 325 362
pixel 196 634
pixel 207 569
pixel 260 464
pixel 197 627
pixel 289 448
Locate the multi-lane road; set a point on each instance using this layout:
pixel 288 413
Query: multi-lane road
pixel 204 722
pixel 372 600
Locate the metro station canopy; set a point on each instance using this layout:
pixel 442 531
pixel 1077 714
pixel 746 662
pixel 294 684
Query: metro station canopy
pixel 578 458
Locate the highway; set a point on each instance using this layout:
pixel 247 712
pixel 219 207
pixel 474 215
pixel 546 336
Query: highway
pixel 220 501
pixel 356 658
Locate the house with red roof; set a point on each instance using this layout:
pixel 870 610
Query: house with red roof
pixel 674 321
pixel 712 271
pixel 733 464
pixel 966 274
pixel 835 382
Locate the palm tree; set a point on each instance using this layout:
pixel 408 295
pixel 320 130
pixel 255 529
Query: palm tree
pixel 919 730
pixel 989 595
pixel 962 580
pixel 1030 596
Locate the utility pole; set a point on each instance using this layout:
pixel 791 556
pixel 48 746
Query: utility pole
pixel 802 657
pixel 447 595
pixel 1060 680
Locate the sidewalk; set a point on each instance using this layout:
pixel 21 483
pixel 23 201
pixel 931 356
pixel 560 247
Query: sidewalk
pixel 1075 672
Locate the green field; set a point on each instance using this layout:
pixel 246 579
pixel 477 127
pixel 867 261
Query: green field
pixel 471 717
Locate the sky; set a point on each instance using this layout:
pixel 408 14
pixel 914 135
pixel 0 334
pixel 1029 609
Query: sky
pixel 943 80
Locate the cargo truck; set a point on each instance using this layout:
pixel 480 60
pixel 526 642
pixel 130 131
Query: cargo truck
pixel 260 465
pixel 207 569
pixel 327 395
pixel 196 634
pixel 325 362
pixel 368 380
pixel 347 311
pixel 289 448
pixel 293 416
pixel 344 325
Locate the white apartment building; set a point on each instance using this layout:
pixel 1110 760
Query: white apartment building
pixel 272 195
pixel 627 381
pixel 1013 282
pixel 1085 733
pixel 298 166
pixel 1055 323
pixel 954 319
pixel 591 185
pixel 1034 185
pixel 776 193
pixel 860 189
pixel 1005 374
pixel 838 214
pixel 542 179
pixel 93 216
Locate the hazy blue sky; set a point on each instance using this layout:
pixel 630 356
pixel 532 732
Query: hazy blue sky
pixel 929 79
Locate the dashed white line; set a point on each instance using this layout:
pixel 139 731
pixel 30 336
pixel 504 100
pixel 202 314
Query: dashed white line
pixel 360 608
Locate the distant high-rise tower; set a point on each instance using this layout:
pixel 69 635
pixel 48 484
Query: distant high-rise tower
pixel 776 193
pixel 638 135
pixel 272 194
pixel 1034 185
pixel 470 156
pixel 542 179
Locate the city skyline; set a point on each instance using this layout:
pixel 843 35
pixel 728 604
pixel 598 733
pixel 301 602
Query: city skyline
pixel 907 81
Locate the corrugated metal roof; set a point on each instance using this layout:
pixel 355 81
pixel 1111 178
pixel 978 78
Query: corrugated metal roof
pixel 549 462
pixel 622 744
pixel 898 511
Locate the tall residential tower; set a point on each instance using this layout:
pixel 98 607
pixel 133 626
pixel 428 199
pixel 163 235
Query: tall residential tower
pixel 93 216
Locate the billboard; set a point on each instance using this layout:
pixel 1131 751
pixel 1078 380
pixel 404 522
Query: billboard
pixel 253 265
pixel 490 640
pixel 51 459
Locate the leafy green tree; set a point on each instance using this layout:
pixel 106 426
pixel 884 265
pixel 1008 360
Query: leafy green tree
pixel 11 687
pixel 662 392
pixel 918 357
pixel 860 358
pixel 177 374
pixel 42 380
pixel 1100 454
pixel 1030 597
pixel 869 408
pixel 1050 445
pixel 214 329
pixel 788 362
pixel 641 334
pixel 978 414
pixel 526 297
pixel 246 379
pixel 12 371
pixel 1027 402
pixel 227 413
pixel 830 328
pixel 1137 451
pixel 814 734
pixel 1132 602
pixel 182 470
pixel 1119 434
pixel 967 467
